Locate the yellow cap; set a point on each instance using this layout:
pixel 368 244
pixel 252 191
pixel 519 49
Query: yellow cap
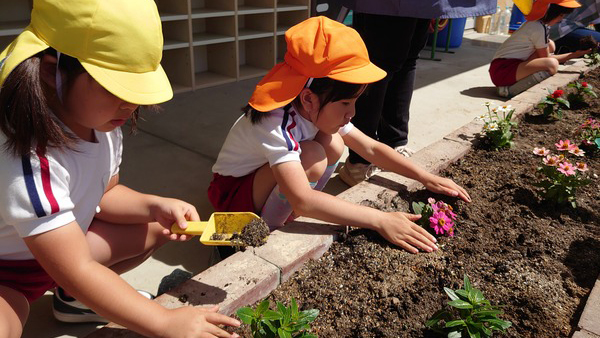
pixel 118 42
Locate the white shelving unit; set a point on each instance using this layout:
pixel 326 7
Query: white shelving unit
pixel 206 42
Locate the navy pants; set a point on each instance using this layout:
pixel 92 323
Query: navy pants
pixel 394 43
pixel 570 42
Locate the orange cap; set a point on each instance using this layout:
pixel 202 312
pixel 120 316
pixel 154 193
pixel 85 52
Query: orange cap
pixel 539 7
pixel 316 47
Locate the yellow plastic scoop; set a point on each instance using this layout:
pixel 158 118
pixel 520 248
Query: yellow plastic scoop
pixel 223 224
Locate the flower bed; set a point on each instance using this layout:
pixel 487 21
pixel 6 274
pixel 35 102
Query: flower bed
pixel 539 260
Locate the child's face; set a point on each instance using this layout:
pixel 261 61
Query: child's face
pixel 335 115
pixel 88 106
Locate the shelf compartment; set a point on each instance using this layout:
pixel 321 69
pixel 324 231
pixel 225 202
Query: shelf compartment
pixel 285 20
pixel 285 7
pixel 214 30
pixel 214 64
pixel 176 34
pixel 172 10
pixel 201 9
pixel 256 57
pixel 12 28
pixel 255 6
pixel 281 47
pixel 178 66
pixel 255 26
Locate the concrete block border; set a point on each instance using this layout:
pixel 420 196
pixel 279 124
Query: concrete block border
pixel 250 276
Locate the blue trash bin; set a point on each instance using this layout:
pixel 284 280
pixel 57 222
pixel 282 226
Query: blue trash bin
pixel 456 36
pixel 517 18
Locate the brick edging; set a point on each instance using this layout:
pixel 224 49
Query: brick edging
pixel 249 276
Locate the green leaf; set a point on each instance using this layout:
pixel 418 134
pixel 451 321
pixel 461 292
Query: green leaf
pixel 460 304
pixel 262 307
pixel 464 295
pixel 309 315
pixel 272 315
pixel 467 283
pixel 451 293
pixel 454 334
pixel 439 315
pixel 294 308
pixel 500 324
pixel 283 334
pixel 418 207
pixel 246 315
pixel 597 141
pixel 458 322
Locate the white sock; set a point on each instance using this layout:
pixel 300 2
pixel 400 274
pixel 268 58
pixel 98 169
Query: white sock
pixel 326 176
pixel 276 209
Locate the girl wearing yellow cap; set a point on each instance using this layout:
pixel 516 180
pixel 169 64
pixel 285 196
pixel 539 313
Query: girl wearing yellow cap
pixel 77 73
pixel 526 57
pixel 281 152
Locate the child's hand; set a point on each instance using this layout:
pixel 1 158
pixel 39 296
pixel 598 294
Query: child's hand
pixel 582 52
pixel 167 211
pixel 399 229
pixel 446 186
pixel 197 322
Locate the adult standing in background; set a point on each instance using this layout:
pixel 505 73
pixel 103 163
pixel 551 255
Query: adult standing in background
pixel 395 31
pixel 568 33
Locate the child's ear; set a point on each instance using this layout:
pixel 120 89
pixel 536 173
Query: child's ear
pixel 309 100
pixel 48 70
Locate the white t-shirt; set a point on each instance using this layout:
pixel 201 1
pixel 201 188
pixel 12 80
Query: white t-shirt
pixel 44 192
pixel 523 42
pixel 275 139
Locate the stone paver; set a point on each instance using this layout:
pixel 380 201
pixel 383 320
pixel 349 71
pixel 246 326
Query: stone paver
pixel 584 334
pixel 590 318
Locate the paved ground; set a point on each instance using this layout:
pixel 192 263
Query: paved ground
pixel 174 150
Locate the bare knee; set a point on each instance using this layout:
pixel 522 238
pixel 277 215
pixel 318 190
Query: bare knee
pixel 552 66
pixel 14 310
pixel 551 47
pixel 314 159
pixel 333 146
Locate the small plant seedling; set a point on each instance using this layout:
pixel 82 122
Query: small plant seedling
pixel 552 104
pixel 283 322
pixel 470 315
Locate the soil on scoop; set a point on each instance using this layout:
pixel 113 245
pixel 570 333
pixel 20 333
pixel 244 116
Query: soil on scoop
pixel 254 234
pixel 540 260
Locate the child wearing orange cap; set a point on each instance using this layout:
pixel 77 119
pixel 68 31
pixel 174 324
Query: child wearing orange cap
pixel 77 73
pixel 282 151
pixel 526 57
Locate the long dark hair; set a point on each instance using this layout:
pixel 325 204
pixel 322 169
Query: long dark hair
pixel 25 116
pixel 554 11
pixel 328 90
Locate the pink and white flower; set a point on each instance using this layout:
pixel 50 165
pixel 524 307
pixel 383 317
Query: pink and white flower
pixel 440 222
pixel 577 152
pixel 566 168
pixel 541 151
pixel 552 161
pixel 565 145
pixel 581 166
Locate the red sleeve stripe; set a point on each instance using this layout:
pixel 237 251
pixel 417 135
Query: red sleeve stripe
pixel 45 167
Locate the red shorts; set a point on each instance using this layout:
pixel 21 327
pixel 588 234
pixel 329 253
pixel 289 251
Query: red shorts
pixel 228 193
pixel 504 71
pixel 26 276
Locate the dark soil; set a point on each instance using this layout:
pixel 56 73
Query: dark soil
pixel 254 234
pixel 538 259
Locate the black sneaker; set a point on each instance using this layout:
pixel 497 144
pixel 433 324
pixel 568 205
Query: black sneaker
pixel 70 310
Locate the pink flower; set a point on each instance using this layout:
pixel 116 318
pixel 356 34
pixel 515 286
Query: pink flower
pixel 551 161
pixel 577 152
pixel 541 151
pixel 581 166
pixel 566 168
pixel 440 222
pixel 430 200
pixel 565 145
